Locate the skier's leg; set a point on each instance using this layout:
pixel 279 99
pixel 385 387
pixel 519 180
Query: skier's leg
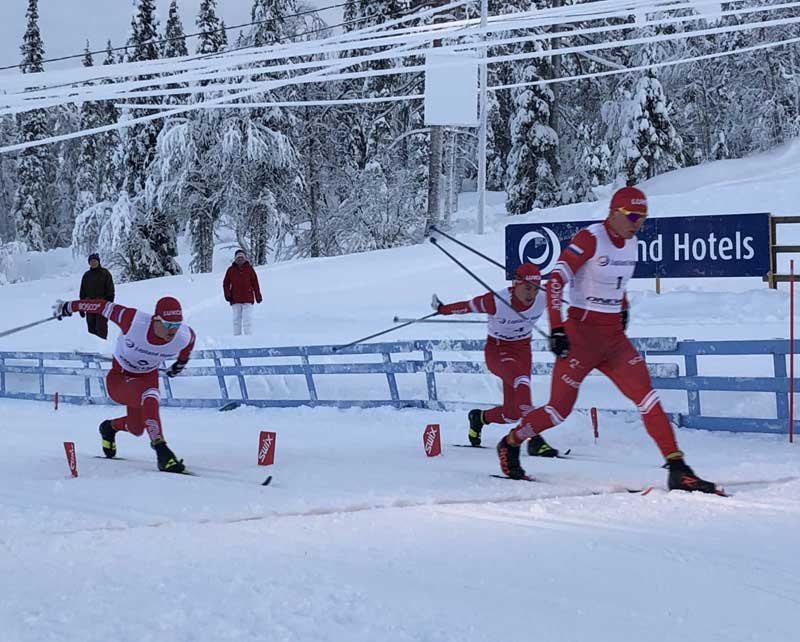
pixel 236 308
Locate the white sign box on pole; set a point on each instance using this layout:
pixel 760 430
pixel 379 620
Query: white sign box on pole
pixel 451 89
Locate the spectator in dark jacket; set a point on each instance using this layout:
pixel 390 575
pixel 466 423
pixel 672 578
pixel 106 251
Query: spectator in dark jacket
pixel 97 283
pixel 240 288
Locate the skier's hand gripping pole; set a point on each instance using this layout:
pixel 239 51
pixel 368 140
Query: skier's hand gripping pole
pixel 478 279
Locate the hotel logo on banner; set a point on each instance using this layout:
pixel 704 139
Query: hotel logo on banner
pixel 687 246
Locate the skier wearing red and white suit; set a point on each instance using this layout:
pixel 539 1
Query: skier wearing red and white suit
pixel 146 341
pixel 597 263
pixel 508 348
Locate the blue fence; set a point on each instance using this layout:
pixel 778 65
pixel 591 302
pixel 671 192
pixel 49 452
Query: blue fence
pixel 220 378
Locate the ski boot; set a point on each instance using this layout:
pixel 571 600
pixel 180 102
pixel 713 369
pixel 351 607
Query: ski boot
pixel 167 462
pixel 508 454
pixel 108 436
pixel 475 424
pixel 538 447
pixel 681 477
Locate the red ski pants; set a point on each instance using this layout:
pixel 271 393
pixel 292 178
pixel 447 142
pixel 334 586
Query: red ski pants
pixel 511 362
pixel 140 394
pixel 606 348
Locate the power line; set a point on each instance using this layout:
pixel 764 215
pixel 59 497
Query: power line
pixel 189 35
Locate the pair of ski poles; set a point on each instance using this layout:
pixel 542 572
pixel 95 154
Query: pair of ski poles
pixel 436 244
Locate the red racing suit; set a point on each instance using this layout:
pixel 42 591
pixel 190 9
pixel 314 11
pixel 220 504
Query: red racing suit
pixel 597 264
pixel 507 350
pixel 133 378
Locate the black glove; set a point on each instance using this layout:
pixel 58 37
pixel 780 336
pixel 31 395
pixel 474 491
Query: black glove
pixel 559 343
pixel 175 369
pixel 624 315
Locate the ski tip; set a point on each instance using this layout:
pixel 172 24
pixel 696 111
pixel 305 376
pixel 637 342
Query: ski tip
pixel 567 452
pixel 644 491
pixel 231 405
pixel 267 481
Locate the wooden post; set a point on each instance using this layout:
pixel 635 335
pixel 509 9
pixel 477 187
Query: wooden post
pixel 658 285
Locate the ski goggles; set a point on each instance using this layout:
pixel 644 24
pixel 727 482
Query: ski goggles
pixel 170 324
pixel 633 217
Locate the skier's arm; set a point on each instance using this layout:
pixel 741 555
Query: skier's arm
pixel 483 304
pixel 114 312
pixel 581 248
pixel 183 357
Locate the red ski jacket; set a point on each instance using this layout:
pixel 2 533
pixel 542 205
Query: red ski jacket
pixel 241 284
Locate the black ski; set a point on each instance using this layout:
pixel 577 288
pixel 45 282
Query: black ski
pixel 527 478
pixel 470 446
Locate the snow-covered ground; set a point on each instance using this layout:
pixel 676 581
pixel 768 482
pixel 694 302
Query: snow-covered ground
pixel 360 536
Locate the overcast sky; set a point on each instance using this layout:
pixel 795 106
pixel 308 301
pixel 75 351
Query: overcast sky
pixel 66 24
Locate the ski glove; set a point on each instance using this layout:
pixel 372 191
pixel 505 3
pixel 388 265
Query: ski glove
pixel 624 315
pixel 436 303
pixel 559 343
pixel 175 369
pixel 61 309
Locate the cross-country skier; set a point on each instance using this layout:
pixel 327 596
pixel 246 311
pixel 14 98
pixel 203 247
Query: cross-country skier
pixel 507 350
pixel 146 341
pixel 597 264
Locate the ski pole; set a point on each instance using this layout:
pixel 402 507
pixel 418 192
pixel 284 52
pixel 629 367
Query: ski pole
pixel 25 327
pixel 392 329
pixel 477 278
pixel 474 251
pixel 403 319
pixel 467 247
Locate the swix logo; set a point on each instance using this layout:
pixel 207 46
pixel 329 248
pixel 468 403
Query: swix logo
pixel 266 448
pixel 69 449
pixel 570 381
pixel 637 359
pixel 432 440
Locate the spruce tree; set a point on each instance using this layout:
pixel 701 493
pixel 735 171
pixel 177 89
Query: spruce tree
pixel 175 39
pixel 530 177
pixel 36 167
pixel 212 38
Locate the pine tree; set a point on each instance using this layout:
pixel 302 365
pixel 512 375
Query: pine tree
pixel 109 167
pixel 212 36
pixel 272 24
pixel 36 168
pixel 530 178
pixel 8 179
pixel 175 45
pixel 86 181
pixel 650 144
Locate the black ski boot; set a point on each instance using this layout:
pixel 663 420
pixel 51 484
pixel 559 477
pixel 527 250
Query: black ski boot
pixel 475 424
pixel 681 477
pixel 508 455
pixel 167 462
pixel 107 439
pixel 538 447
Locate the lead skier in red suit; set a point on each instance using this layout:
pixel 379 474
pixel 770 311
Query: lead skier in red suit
pixel 145 342
pixel 507 350
pixel 597 263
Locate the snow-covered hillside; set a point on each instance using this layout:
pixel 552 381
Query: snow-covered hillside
pixel 360 536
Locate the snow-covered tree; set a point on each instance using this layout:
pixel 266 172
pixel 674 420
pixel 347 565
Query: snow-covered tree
pixel 212 36
pixel 175 39
pixel 530 178
pixel 36 167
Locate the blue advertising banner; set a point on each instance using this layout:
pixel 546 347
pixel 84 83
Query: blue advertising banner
pixel 686 246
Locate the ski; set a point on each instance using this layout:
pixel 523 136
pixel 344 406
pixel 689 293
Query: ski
pixel 186 472
pixel 470 446
pixel 527 478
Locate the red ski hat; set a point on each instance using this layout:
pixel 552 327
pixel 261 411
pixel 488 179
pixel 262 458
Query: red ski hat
pixel 629 199
pixel 528 272
pixel 169 309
